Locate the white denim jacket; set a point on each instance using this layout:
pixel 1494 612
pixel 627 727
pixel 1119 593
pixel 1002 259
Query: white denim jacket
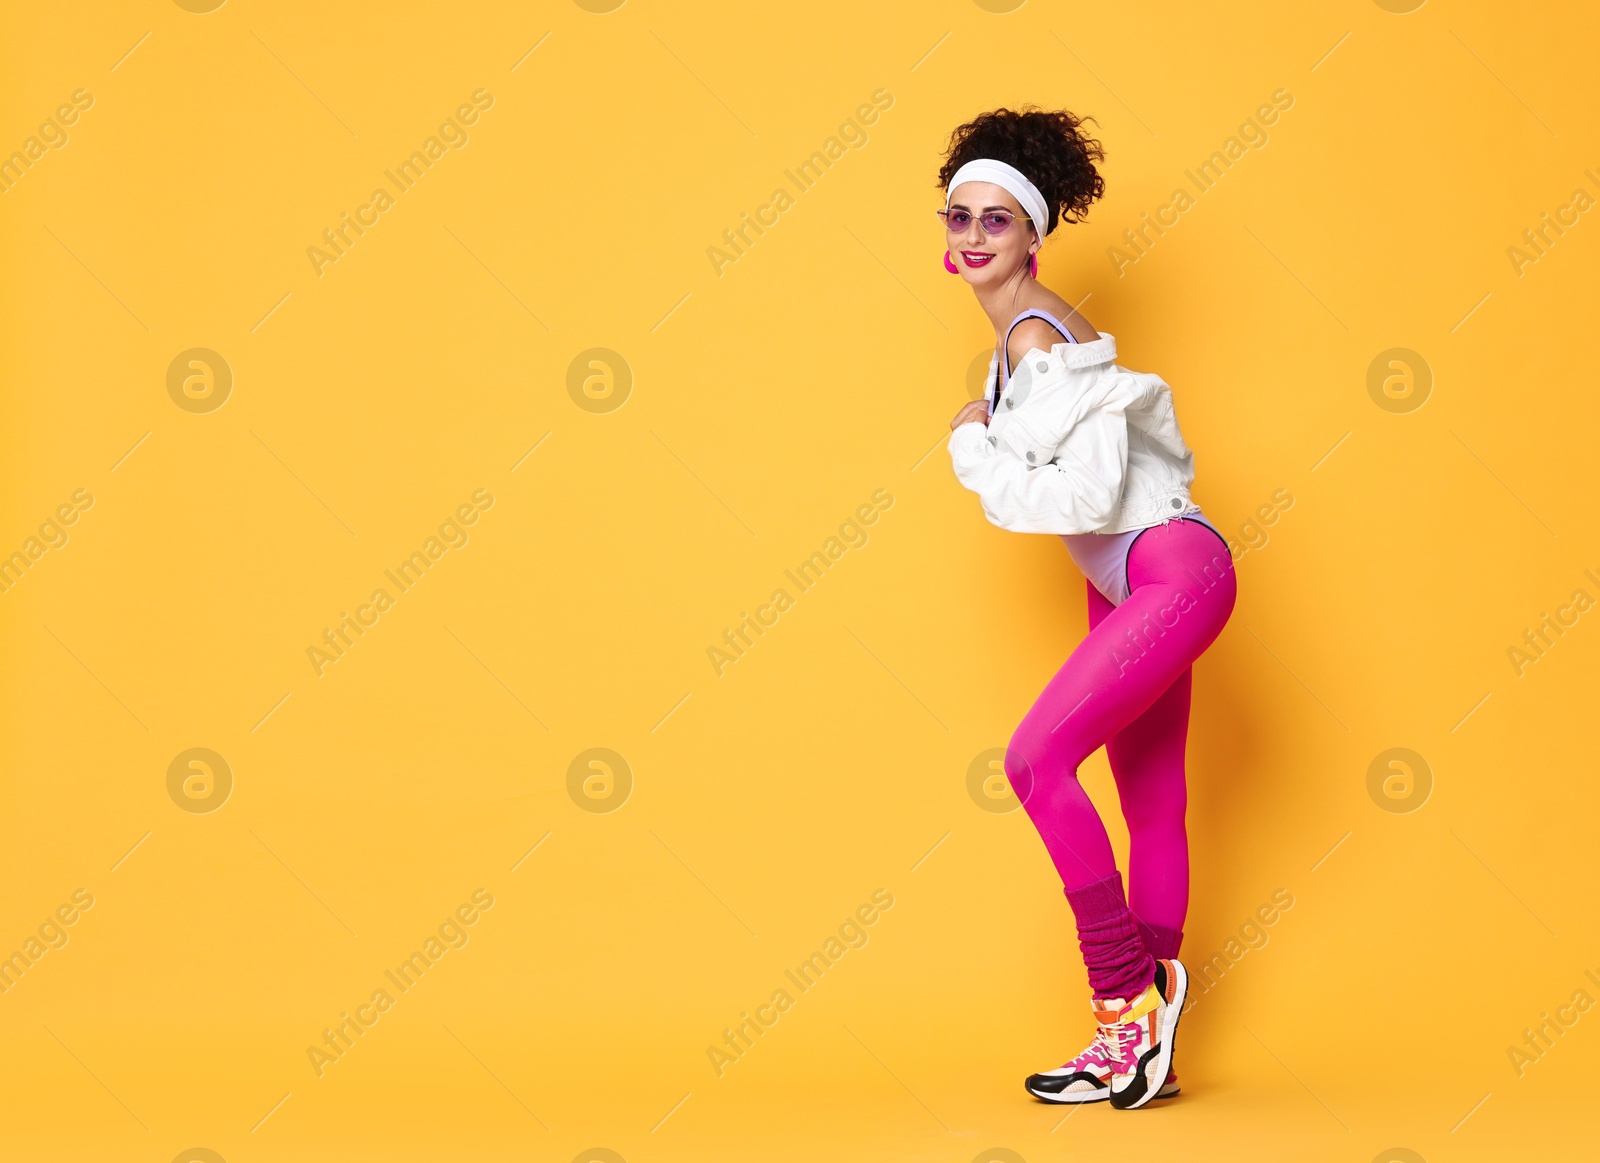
pixel 1077 445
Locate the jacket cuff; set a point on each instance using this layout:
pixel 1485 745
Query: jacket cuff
pixel 969 441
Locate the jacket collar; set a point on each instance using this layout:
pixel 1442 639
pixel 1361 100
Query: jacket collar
pixel 1102 350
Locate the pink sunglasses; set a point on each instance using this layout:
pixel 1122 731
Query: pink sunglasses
pixel 993 222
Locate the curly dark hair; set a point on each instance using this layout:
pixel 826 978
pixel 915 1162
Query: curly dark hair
pixel 1049 146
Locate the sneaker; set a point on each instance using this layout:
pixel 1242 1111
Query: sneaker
pixel 1139 1035
pixel 1085 1078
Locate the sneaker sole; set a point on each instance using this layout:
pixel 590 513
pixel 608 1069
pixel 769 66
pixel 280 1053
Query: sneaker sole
pixel 1075 1099
pixel 1078 1098
pixel 1163 1061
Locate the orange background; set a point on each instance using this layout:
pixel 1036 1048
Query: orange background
pixel 643 906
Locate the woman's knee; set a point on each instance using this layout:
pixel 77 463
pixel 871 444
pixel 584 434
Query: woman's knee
pixel 1033 759
pixel 1020 764
pixel 1028 758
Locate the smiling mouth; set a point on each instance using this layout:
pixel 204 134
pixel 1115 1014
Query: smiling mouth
pixel 976 258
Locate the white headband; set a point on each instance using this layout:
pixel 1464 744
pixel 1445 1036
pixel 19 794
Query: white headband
pixel 1008 178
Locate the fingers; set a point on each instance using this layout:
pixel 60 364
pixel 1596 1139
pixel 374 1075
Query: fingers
pixel 975 410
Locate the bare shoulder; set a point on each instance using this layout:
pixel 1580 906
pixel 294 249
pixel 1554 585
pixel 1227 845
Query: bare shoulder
pixel 1037 333
pixel 1029 334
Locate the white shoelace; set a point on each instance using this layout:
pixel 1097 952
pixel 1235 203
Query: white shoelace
pixel 1116 1038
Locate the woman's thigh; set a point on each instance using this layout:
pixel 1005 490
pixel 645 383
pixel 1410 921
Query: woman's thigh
pixel 1183 591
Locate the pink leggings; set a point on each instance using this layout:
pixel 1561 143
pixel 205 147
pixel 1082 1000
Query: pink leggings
pixel 1126 687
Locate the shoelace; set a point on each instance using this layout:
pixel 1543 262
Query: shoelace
pixel 1108 1050
pixel 1115 1035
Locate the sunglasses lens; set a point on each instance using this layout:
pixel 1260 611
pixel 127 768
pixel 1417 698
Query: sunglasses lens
pixel 994 222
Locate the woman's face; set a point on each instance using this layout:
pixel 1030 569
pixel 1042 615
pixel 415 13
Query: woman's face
pixel 984 258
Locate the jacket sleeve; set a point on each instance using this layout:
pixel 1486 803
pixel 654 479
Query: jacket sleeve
pixel 1076 491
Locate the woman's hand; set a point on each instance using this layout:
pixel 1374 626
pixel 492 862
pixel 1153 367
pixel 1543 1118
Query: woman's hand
pixel 977 410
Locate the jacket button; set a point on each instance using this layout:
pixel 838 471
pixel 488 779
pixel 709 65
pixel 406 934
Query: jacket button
pixel 1032 456
pixel 1042 366
pixel 1177 504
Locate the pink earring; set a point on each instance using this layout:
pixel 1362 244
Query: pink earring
pixel 1033 265
pixel 948 265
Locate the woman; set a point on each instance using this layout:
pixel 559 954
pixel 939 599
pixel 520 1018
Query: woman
pixel 1070 443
